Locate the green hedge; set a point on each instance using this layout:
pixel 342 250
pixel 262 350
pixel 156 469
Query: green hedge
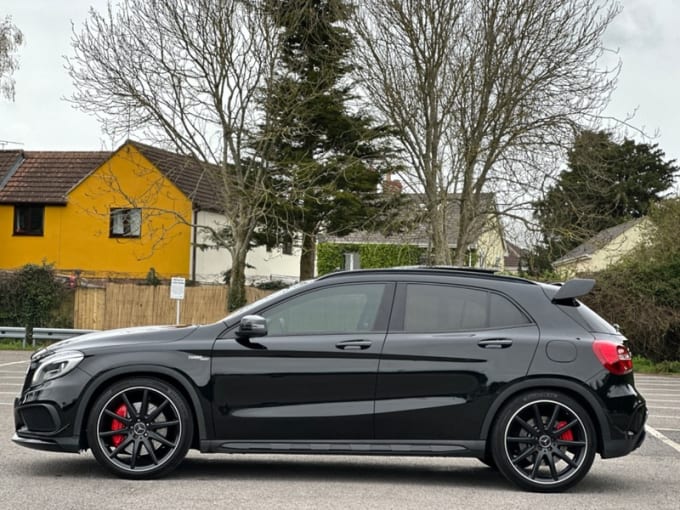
pixel 331 256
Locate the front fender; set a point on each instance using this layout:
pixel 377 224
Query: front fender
pixel 165 373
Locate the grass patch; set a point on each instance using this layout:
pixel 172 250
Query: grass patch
pixel 647 366
pixel 15 345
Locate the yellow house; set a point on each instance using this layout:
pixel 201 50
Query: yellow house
pixel 102 214
pixel 604 249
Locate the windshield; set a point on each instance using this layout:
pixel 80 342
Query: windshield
pixel 271 297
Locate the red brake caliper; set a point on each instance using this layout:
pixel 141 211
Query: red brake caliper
pixel 567 435
pixel 118 425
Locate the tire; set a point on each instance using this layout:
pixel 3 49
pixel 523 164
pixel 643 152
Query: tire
pixel 543 441
pixel 140 428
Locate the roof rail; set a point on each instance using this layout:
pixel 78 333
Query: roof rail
pixel 454 270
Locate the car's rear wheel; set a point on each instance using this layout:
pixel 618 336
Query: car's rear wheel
pixel 543 441
pixel 140 428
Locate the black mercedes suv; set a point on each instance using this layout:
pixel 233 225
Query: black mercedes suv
pixel 410 361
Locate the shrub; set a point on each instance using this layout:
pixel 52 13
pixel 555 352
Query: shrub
pixel 32 298
pixel 642 292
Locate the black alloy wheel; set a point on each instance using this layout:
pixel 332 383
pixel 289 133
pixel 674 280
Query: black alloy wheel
pixel 543 441
pixel 140 428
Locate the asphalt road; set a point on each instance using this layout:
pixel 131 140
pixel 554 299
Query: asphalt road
pixel 647 478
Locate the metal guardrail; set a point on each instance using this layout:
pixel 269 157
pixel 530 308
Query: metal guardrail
pixel 41 333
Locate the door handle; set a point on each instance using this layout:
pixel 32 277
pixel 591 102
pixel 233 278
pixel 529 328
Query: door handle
pixel 495 343
pixel 353 345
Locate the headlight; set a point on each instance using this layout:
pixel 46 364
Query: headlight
pixel 56 365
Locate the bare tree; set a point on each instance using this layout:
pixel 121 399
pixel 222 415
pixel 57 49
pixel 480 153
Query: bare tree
pixel 187 74
pixel 482 92
pixel 10 39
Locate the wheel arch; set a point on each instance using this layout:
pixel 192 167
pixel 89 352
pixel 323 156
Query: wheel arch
pixel 582 394
pixel 170 376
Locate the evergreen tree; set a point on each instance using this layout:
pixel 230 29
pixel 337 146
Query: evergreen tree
pixel 327 161
pixel 607 183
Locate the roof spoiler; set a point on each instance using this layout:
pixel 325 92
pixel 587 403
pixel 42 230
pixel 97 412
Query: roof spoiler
pixel 574 288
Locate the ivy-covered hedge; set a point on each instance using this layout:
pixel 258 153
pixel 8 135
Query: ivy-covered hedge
pixel 331 256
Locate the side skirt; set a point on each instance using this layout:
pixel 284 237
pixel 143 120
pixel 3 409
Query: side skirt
pixel 335 447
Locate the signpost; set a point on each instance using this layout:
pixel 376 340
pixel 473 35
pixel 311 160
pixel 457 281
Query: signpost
pixel 177 286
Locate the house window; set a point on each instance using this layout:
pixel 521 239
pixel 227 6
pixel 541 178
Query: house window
pixel 126 223
pixel 29 220
pixel 287 247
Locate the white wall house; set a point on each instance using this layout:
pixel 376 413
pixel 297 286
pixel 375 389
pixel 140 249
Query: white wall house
pixel 210 264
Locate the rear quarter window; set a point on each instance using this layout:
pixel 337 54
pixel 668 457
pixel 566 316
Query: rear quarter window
pixel 587 318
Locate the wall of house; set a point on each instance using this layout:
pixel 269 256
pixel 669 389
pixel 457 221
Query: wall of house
pixel 76 236
pixel 211 262
pixel 490 247
pixel 17 251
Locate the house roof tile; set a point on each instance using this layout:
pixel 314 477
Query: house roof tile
pixel 47 177
pixel 191 176
pixel 417 233
pixel 44 176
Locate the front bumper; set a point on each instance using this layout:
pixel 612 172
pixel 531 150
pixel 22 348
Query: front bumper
pixel 57 444
pixel 44 416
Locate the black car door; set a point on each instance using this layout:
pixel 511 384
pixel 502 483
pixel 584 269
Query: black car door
pixel 449 349
pixel 313 375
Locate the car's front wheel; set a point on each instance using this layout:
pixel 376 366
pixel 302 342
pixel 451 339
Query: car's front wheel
pixel 140 428
pixel 543 441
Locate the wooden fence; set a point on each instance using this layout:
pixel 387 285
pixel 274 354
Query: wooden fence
pixel 121 305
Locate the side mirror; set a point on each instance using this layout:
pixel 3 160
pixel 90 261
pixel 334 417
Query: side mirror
pixel 252 326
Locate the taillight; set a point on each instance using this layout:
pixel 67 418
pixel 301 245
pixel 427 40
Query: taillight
pixel 614 357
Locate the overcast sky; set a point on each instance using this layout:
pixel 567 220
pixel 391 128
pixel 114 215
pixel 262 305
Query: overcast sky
pixel 645 34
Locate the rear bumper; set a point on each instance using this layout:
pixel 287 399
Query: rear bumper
pixel 633 435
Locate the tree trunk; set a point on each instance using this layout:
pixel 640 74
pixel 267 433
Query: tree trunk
pixel 468 210
pixel 441 254
pixel 28 338
pixel 308 257
pixel 236 297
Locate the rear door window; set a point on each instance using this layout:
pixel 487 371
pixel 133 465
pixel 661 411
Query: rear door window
pixel 430 308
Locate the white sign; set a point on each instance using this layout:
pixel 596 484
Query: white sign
pixel 177 287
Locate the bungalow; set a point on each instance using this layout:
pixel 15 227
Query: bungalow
pixel 604 249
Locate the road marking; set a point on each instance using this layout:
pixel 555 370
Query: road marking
pixel 11 377
pixel 7 392
pixel 669 442
pixel 671 394
pixel 663 407
pixel 659 400
pixel 667 430
pixel 660 416
pixel 4 404
pixel 13 363
pixel 10 384
pixel 666 387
